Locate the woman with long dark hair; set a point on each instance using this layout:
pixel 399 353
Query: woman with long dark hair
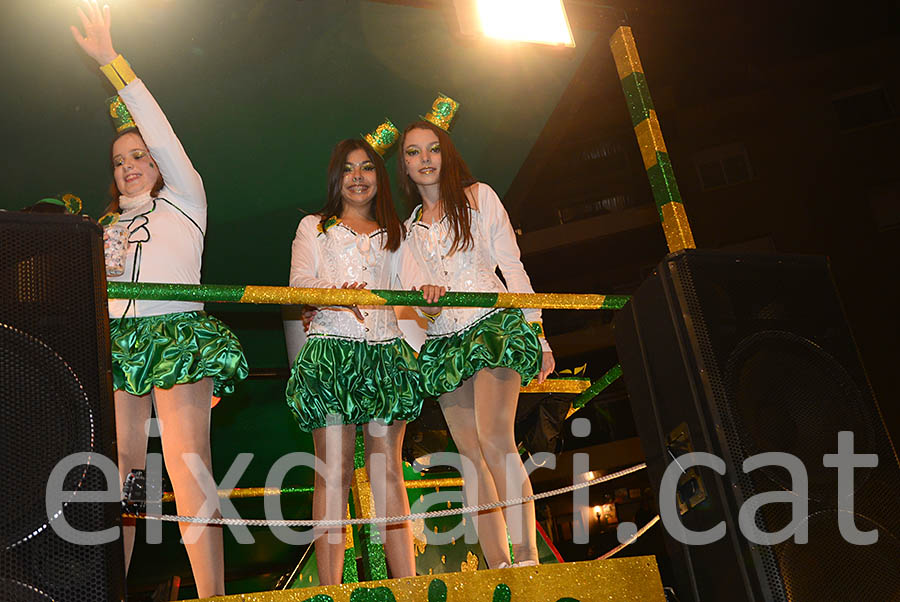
pixel 167 354
pixel 355 368
pixel 473 359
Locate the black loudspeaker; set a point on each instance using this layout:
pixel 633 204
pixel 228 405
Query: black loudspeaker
pixel 56 400
pixel 740 355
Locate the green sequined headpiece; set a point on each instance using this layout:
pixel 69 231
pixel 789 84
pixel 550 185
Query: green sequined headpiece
pixel 119 112
pixel 383 138
pixel 70 202
pixel 443 109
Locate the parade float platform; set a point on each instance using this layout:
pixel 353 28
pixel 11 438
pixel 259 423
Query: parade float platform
pixel 634 579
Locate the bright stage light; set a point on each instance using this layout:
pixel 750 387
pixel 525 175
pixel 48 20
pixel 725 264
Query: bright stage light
pixel 539 21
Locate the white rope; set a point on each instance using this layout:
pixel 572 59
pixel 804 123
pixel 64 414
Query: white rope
pixel 631 539
pixel 253 522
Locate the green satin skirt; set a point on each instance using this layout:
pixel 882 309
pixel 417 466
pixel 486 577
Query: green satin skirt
pixel 172 349
pixel 340 381
pixel 502 339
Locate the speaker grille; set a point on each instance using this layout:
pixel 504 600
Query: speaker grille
pixel 56 400
pixel 782 374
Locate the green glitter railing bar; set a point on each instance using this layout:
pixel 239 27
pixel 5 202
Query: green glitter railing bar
pixel 223 293
pixel 598 386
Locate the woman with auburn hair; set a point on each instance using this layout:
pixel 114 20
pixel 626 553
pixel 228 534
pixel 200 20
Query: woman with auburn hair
pixel 355 368
pixel 167 354
pixel 473 359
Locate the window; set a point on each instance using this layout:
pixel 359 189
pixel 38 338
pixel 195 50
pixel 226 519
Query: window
pixel 885 203
pixel 723 166
pixel 863 108
pixel 592 207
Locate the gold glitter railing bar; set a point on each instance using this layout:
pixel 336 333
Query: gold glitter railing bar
pixel 248 492
pixel 557 385
pixel 255 492
pixel 285 295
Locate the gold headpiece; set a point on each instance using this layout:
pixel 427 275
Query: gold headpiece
pixel 443 109
pixel 383 138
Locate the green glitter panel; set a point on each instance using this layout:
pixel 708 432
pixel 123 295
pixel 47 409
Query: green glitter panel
pixel 662 182
pixel 359 450
pixel 320 598
pixel 437 591
pixel 350 575
pixel 375 561
pixel 502 593
pixel 599 385
pixel 375 594
pixel 637 97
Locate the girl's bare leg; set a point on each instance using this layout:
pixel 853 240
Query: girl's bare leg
pixel 458 407
pixel 334 446
pixel 384 460
pixel 184 414
pixel 496 397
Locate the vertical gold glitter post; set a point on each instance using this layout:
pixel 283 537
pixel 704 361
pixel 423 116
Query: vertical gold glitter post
pixel 625 52
pixel 676 228
pixel 650 139
pixel 348 533
pixel 362 490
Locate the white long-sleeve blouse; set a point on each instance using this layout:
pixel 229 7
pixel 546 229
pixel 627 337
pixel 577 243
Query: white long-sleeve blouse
pixel 327 255
pixel 425 258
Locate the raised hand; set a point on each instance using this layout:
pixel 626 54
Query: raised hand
pixel 96 41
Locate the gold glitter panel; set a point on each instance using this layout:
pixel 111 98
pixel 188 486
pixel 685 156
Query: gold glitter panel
pixel 676 227
pixel 285 295
pixel 419 540
pixel 633 579
pixel 550 300
pixel 625 53
pixel 558 385
pixel 362 494
pixel 471 563
pixel 650 139
pixel 348 533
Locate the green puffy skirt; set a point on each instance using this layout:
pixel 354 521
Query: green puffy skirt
pixel 172 349
pixel 502 339
pixel 340 381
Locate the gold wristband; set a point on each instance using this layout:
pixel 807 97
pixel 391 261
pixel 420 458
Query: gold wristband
pixel 538 328
pixel 118 72
pixel 431 317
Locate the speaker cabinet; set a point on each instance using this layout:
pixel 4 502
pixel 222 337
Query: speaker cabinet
pixel 56 400
pixel 739 355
